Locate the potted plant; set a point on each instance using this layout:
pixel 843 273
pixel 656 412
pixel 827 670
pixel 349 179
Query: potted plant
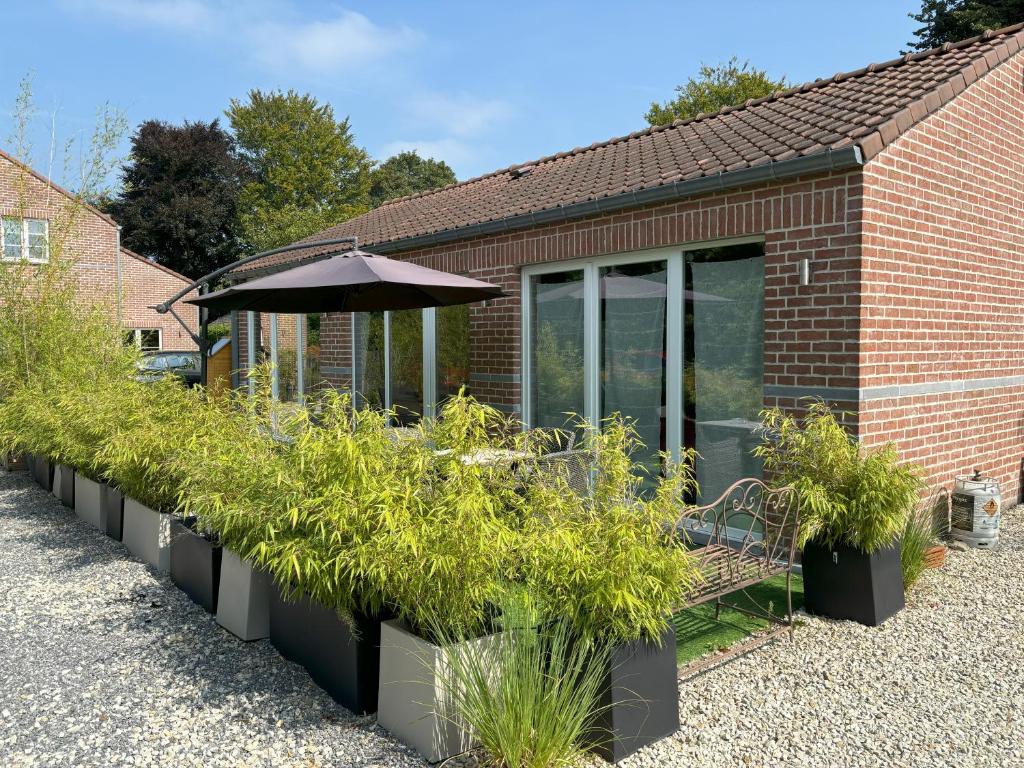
pixel 855 506
pixel 64 484
pixel 243 602
pixel 111 510
pixel 158 419
pixel 608 562
pixel 529 694
pixel 195 559
pixel 342 655
pixel 89 500
pixel 415 702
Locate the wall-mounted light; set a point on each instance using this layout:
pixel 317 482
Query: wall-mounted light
pixel 805 271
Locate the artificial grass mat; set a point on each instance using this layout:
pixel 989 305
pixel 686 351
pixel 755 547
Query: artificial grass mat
pixel 697 632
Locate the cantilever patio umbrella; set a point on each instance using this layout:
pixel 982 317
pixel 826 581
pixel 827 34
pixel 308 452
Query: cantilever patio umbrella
pixel 353 281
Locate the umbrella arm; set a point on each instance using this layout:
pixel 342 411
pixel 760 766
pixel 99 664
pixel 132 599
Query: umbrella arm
pixel 165 307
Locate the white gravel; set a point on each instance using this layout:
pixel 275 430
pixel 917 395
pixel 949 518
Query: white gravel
pixel 105 663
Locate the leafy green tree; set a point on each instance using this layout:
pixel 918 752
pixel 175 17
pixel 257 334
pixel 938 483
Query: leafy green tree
pixel 714 87
pixel 405 174
pixel 179 201
pixel 947 21
pixel 305 171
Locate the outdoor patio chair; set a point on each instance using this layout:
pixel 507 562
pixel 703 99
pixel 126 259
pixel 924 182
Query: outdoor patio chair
pixel 573 467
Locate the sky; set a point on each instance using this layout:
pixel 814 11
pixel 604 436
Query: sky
pixel 480 85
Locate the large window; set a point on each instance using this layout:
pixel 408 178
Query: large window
pixel 411 361
pixel 25 239
pixel 673 340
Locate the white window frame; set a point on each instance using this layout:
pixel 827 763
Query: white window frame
pixel 591 267
pixel 24 246
pixel 137 338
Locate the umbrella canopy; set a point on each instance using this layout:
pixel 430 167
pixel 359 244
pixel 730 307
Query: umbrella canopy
pixel 354 281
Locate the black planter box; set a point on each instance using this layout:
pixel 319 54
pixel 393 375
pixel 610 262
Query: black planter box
pixel 639 699
pixel 111 510
pixel 343 663
pixel 195 564
pixel 67 485
pixel 42 471
pixel 844 583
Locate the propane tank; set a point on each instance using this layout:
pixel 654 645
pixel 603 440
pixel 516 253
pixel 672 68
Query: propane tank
pixel 976 508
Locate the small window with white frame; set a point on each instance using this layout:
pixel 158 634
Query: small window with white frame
pixel 25 239
pixel 146 339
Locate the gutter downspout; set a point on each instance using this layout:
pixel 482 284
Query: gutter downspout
pixel 118 285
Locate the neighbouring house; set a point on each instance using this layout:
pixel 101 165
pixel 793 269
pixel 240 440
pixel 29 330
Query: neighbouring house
pixel 859 238
pixel 31 206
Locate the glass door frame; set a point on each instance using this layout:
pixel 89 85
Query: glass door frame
pixel 429 360
pixel 591 267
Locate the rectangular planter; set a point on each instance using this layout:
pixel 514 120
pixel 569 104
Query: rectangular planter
pixel 243 602
pixel 64 485
pixel 147 534
pixel 195 564
pixel 844 583
pixel 88 500
pixel 42 471
pixel 414 704
pixel 639 698
pixel 344 663
pixel 111 511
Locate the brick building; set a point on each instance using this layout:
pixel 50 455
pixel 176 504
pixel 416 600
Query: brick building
pixel 39 217
pixel 859 238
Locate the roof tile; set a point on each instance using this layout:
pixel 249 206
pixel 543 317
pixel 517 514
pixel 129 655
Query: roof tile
pixel 871 107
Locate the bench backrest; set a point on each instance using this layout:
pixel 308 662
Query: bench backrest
pixel 750 522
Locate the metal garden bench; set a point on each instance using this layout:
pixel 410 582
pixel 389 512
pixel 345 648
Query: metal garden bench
pixel 745 537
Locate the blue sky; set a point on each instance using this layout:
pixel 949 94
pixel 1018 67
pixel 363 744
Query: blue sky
pixel 481 85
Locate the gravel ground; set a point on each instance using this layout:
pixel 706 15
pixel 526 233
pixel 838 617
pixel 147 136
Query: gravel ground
pixel 104 663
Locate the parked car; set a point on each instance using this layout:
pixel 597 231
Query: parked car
pixel 158 365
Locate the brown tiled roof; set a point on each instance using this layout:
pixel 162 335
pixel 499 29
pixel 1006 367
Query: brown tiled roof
pixel 868 109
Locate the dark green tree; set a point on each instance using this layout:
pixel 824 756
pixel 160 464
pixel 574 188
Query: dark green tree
pixel 714 87
pixel 948 21
pixel 306 172
pixel 179 196
pixel 405 174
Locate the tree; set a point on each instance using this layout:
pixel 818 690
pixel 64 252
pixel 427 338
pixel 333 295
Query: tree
pixel 405 174
pixel 724 85
pixel 305 171
pixel 179 201
pixel 947 21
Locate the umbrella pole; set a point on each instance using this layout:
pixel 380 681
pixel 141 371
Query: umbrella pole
pixel 204 323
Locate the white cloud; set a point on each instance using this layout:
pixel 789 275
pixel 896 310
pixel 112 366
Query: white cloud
pixel 349 41
pixel 275 35
pixel 460 115
pixel 177 14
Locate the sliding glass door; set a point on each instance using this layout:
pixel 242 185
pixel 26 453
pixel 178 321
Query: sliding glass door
pixel 556 348
pixel 633 299
pixel 724 353
pixel 672 340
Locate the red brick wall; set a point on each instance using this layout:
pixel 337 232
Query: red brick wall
pixel 811 331
pixel 943 291
pixel 90 240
